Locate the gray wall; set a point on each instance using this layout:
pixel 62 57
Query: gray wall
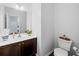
pixel 58 19
pixel 47 28
pixel 67 21
pixel 36 24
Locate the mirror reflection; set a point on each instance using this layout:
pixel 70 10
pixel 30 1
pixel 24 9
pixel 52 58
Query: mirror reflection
pixel 15 18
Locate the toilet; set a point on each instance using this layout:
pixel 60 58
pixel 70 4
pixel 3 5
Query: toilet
pixel 64 47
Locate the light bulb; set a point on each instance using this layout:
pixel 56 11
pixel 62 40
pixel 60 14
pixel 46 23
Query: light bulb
pixel 17 7
pixel 22 8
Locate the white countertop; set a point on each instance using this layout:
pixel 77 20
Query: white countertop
pixel 11 40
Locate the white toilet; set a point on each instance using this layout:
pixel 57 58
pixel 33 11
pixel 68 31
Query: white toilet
pixel 64 47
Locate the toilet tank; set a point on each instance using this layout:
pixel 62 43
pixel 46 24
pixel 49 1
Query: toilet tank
pixel 64 44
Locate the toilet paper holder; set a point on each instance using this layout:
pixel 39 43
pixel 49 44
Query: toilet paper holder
pixel 76 50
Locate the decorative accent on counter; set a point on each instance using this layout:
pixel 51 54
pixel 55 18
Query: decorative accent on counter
pixel 5 34
pixel 29 32
pixel 13 35
pixel 5 38
pixel 18 30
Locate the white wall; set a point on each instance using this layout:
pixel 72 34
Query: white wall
pixel 36 24
pixel 56 20
pixel 1 17
pixel 47 28
pixel 66 19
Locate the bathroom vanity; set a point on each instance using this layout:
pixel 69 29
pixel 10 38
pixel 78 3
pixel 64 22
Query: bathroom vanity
pixel 15 45
pixel 19 46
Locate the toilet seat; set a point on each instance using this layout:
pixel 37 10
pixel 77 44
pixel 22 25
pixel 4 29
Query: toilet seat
pixel 60 52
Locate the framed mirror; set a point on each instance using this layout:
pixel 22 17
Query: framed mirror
pixel 15 18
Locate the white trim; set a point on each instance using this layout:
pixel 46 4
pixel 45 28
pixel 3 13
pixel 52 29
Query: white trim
pixel 37 54
pixel 49 52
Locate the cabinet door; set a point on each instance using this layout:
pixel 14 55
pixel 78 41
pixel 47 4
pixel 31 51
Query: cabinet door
pixel 15 49
pixel 27 48
pixel 10 50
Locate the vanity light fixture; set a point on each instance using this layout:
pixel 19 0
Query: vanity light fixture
pixel 19 7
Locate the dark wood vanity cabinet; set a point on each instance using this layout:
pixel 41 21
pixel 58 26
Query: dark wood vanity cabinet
pixel 24 48
pixel 29 47
pixel 9 50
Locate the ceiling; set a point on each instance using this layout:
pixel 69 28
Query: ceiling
pixel 13 5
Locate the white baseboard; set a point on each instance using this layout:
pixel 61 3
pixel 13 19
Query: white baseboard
pixel 37 55
pixel 49 52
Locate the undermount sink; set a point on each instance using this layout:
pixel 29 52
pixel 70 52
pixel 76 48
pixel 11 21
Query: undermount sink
pixel 23 36
pixel 5 38
pixel 10 37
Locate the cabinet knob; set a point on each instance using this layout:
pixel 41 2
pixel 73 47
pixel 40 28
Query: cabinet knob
pixel 19 44
pixel 23 43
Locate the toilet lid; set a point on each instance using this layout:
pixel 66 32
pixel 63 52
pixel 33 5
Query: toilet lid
pixel 60 52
